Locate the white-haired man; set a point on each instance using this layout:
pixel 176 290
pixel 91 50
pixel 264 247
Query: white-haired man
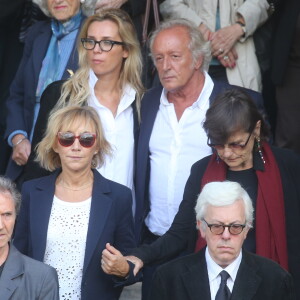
pixel 222 270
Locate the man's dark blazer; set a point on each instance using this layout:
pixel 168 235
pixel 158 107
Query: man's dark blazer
pixel 25 278
pixel 21 102
pixel 186 278
pixel 110 221
pixel 149 109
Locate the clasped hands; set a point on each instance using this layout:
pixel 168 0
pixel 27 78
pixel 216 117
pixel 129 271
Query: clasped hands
pixel 114 263
pixel 222 43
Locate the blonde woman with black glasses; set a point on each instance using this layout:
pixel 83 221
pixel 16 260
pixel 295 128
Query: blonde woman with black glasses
pixel 109 80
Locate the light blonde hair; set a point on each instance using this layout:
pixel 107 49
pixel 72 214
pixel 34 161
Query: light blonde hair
pixel 65 117
pixel 76 90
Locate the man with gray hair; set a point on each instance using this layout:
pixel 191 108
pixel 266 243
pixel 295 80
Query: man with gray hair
pixel 20 276
pixel 222 270
pixel 171 136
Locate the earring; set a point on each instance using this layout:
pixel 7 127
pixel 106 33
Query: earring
pixel 259 149
pixel 82 1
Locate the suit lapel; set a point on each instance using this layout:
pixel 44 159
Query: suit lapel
pixel 196 278
pixel 100 208
pixel 247 280
pixel 13 269
pixel 42 199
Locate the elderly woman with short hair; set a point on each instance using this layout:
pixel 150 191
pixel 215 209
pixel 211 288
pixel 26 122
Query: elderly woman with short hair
pixel 69 217
pixel 49 54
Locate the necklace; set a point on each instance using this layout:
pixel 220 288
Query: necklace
pixel 83 187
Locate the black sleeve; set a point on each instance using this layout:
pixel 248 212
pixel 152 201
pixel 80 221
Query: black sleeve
pixel 182 233
pixel 48 100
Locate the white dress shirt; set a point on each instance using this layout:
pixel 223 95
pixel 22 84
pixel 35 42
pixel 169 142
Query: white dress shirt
pixel 213 270
pixel 118 131
pixel 175 145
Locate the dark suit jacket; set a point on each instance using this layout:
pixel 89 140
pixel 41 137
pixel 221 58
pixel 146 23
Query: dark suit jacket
pixel 186 278
pixel 149 109
pixel 110 221
pixel 20 104
pixel 286 20
pixel 25 278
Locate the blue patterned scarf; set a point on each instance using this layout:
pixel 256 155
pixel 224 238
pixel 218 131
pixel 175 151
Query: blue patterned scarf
pixel 50 67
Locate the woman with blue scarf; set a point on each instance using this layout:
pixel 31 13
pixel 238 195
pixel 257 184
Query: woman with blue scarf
pixel 50 54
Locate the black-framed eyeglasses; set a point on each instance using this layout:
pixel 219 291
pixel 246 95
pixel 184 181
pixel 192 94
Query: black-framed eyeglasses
pixel 218 229
pixel 232 146
pixel 105 45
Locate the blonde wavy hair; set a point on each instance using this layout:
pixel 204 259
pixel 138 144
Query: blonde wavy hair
pixel 75 91
pixel 65 118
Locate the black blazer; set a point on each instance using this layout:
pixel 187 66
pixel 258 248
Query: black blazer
pixel 110 221
pixel 149 109
pixel 186 278
pixel 183 234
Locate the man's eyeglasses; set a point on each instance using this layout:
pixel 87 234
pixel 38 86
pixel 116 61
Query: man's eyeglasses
pixel 105 45
pixel 218 229
pixel 232 146
pixel 67 139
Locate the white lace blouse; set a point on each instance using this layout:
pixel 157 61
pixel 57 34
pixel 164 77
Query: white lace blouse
pixel 66 241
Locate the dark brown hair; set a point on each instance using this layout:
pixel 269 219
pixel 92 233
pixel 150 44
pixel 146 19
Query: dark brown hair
pixel 232 111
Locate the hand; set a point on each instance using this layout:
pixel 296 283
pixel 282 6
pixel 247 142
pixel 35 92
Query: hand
pixel 113 262
pixel 206 33
pixel 229 60
pixel 137 262
pixel 224 39
pixel 101 4
pixel 22 151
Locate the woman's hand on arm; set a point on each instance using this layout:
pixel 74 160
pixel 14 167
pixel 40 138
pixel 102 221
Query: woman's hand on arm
pixel 21 150
pixel 113 262
pixel 138 263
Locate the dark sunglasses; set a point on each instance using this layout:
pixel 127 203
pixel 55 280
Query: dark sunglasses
pixel 67 139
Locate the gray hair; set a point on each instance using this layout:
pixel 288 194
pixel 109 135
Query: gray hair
pixel 198 46
pixel 87 6
pixel 223 194
pixel 9 187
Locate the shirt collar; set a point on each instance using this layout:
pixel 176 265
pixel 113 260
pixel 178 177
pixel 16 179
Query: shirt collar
pixel 202 98
pixel 213 269
pixel 128 93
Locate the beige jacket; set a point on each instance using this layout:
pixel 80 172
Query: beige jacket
pixel 255 13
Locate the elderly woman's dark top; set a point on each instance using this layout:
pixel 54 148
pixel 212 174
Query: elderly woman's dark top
pixel 183 234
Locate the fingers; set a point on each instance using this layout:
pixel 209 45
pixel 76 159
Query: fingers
pixel 21 153
pixel 113 262
pixel 138 263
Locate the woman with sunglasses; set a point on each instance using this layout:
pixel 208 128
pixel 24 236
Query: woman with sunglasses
pixel 108 80
pixel 237 134
pixel 67 218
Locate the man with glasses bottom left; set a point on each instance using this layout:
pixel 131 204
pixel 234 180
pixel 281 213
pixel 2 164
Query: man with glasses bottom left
pixel 222 270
